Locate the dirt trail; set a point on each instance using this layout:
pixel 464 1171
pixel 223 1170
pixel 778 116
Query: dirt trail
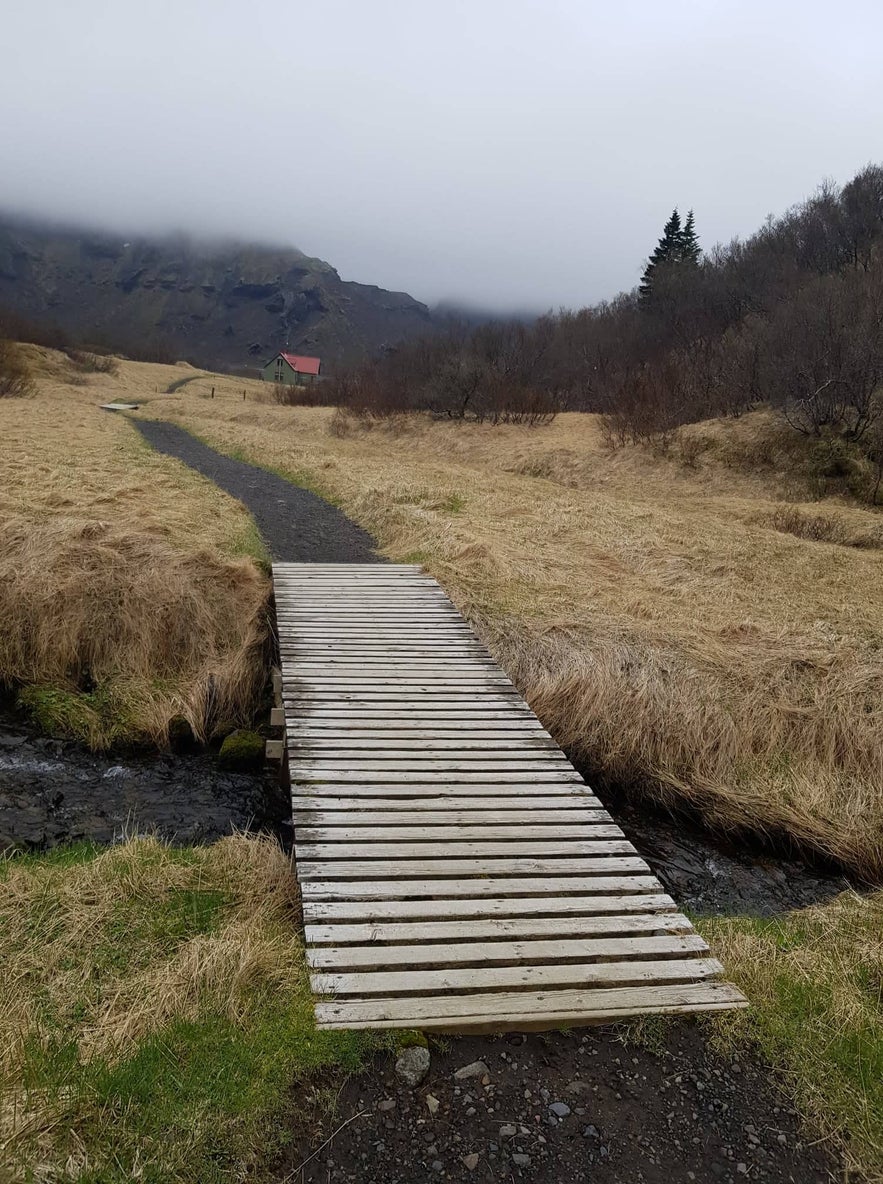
pixel 296 525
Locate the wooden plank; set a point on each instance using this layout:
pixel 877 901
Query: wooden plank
pixel 388 726
pixel 499 886
pixel 446 786
pixel 407 869
pixel 532 837
pixel 376 715
pixel 435 848
pixel 442 805
pixel 592 817
pixel 496 928
pixel 466 953
pixel 456 769
pixel 583 974
pixel 315 745
pixel 547 1009
pixel 484 907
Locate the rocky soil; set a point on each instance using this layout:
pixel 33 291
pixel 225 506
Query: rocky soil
pixel 567 1107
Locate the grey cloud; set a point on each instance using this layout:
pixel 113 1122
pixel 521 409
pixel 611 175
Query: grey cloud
pixel 518 153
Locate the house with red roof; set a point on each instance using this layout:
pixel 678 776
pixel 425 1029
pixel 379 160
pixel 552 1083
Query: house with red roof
pixel 291 369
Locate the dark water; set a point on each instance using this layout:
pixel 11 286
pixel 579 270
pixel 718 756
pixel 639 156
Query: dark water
pixel 54 791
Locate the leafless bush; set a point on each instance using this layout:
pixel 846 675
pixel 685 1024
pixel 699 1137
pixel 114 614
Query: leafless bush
pixel 92 363
pixel 15 374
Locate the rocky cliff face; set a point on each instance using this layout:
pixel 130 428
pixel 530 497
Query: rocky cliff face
pixel 223 305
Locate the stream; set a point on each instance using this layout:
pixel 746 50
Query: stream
pixel 56 791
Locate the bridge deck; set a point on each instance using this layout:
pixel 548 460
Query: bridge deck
pixel 455 870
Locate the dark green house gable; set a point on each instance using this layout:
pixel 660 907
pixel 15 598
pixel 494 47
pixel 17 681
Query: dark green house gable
pixel 291 369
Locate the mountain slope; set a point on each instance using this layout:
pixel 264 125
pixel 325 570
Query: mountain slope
pixel 223 305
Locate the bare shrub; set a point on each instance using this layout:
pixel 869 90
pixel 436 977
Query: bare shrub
pixel 823 528
pixel 15 374
pixel 92 363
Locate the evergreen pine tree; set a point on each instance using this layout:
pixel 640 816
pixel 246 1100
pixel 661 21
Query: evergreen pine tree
pixel 691 252
pixel 668 251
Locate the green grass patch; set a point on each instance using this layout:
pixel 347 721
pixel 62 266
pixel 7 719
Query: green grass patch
pixel 159 1016
pixel 98 718
pixel 814 979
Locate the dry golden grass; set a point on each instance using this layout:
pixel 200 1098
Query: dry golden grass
pixel 126 588
pixel 664 628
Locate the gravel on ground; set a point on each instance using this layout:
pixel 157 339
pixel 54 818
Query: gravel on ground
pixel 567 1108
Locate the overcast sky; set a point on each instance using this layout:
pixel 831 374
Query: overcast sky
pixel 514 153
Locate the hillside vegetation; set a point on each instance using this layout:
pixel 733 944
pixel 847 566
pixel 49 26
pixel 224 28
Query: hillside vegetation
pixel 228 305
pixel 791 318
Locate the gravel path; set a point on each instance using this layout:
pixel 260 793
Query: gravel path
pixel 567 1108
pixel 296 525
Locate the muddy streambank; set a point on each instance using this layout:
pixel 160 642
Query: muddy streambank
pixel 54 792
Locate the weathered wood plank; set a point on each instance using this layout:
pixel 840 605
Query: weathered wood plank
pixel 583 974
pixel 496 928
pixel 550 885
pixel 482 803
pixel 483 907
pixel 592 818
pixel 474 953
pixel 408 869
pixel 436 849
pixel 548 1009
pixel 531 837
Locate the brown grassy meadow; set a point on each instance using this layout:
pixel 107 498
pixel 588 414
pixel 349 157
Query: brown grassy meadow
pixel 682 628
pixel 129 591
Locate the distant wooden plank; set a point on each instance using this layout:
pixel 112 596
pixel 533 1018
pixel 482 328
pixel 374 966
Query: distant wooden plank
pixel 549 1009
pixel 446 787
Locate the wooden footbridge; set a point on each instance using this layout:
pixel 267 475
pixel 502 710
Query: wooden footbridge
pixel 455 870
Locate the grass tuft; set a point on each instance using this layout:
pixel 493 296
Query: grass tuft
pixel 156 1012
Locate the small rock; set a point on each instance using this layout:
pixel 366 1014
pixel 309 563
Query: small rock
pixel 475 1069
pixel 742 1169
pixel 471 1161
pixel 559 1109
pixel 387 1104
pixel 521 1160
pixel 432 1104
pixel 507 1131
pixel 591 1132
pixel 437 1165
pixel 412 1065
